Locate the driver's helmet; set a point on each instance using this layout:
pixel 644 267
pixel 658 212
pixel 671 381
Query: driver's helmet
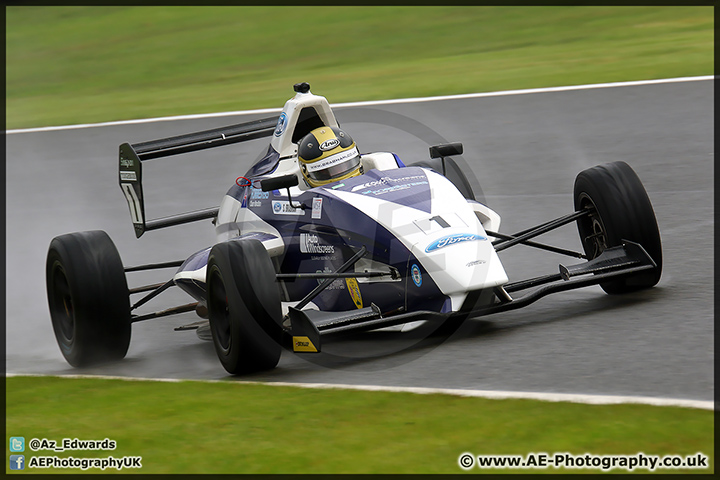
pixel 328 154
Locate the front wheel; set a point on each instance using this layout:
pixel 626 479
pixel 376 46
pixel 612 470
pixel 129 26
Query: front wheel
pixel 244 306
pixel 88 298
pixel 620 209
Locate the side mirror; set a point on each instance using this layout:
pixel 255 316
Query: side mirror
pixel 285 181
pixel 446 150
pixel 276 183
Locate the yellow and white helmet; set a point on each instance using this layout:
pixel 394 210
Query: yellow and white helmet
pixel 328 154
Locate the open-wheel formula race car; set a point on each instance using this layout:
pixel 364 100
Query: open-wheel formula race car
pixel 296 261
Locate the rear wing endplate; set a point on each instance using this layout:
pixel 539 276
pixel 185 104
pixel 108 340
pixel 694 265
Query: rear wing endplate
pixel 132 156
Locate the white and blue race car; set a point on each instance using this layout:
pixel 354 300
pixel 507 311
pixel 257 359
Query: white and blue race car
pixel 293 264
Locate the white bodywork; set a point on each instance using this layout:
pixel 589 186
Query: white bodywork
pixel 466 261
pixel 282 139
pixel 456 268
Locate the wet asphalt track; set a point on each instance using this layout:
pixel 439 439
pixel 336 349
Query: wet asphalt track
pixel 525 151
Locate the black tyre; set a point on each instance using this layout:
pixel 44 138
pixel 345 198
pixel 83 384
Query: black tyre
pixel 88 298
pixel 244 306
pixel 621 210
pixel 453 172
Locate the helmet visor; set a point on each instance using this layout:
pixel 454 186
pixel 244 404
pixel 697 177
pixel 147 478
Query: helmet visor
pixel 334 166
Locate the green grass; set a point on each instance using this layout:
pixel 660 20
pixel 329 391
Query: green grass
pixel 70 65
pixel 194 427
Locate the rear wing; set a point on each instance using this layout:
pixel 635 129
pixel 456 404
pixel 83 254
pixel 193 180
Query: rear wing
pixel 132 156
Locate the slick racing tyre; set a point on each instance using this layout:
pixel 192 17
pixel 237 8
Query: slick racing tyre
pixel 453 172
pixel 620 209
pixel 244 306
pixel 88 298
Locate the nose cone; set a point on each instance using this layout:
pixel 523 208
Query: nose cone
pixel 426 213
pixel 461 262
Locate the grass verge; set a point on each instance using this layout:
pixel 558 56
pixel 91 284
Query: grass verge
pixel 102 63
pixel 195 427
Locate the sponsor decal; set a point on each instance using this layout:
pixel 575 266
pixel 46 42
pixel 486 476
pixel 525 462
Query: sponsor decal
pixel 333 160
pixel 416 275
pixel 385 181
pixel 394 188
pixel 303 344
pixel 256 193
pixel 282 207
pixel 317 207
pixel 310 243
pixel 329 144
pixel 243 203
pixel 128 176
pixel 337 186
pixel 453 240
pixel 389 185
pixel 282 123
pixel 331 258
pixel 476 262
pixel 127 162
pixel 354 290
pixel 255 203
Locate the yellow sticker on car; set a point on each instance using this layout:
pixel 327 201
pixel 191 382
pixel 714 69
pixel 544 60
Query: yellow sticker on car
pixel 303 344
pixel 354 290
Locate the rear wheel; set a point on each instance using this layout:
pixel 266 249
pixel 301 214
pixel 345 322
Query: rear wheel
pixel 620 210
pixel 88 298
pixel 244 306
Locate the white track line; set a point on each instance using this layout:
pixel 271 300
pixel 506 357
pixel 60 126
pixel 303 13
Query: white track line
pixel 496 395
pixel 372 103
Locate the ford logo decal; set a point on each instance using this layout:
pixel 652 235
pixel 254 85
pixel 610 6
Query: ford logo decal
pixel 452 240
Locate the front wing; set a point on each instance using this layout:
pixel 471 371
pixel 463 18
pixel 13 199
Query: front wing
pixel 307 327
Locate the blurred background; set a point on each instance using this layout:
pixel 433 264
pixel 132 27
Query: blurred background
pixel 68 65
